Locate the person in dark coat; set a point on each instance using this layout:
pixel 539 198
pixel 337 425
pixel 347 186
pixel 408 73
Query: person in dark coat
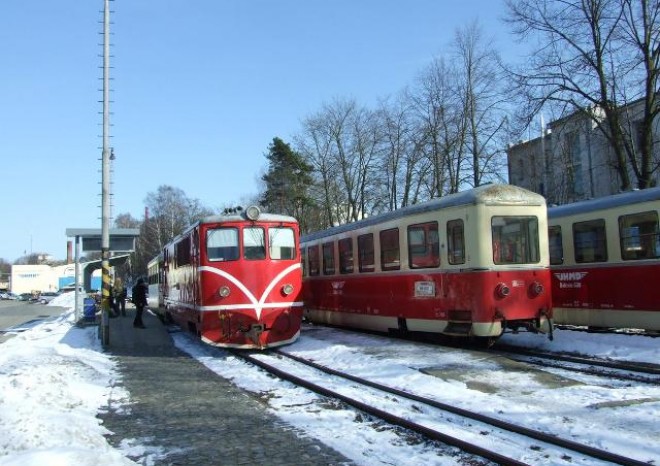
pixel 140 292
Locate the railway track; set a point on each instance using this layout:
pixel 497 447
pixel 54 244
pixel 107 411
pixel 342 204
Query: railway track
pixel 624 370
pixel 564 450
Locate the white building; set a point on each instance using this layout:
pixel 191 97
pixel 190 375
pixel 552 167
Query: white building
pixel 573 160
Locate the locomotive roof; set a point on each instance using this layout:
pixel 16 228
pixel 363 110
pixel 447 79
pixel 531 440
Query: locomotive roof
pixel 241 217
pixel 490 194
pixel 607 202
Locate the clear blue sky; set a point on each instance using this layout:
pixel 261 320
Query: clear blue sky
pixel 200 89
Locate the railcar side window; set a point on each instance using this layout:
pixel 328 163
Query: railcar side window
pixel 389 249
pixel 329 258
pixel 590 241
pixel 515 240
pixel 423 245
pixel 254 243
pixel 455 242
pixel 556 245
pixel 314 260
pixel 303 262
pixel 345 255
pixel 281 243
pixel 366 253
pixel 639 236
pixel 222 244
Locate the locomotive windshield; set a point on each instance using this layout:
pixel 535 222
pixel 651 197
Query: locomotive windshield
pixel 515 240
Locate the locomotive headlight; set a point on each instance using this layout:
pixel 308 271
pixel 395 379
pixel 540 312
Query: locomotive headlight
pixel 224 291
pixel 253 212
pixel 502 290
pixel 287 289
pixel 536 289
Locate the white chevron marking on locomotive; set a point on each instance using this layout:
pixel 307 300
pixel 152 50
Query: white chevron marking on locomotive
pixel 260 304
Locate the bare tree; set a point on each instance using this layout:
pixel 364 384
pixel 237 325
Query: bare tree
pixel 483 99
pixel 594 57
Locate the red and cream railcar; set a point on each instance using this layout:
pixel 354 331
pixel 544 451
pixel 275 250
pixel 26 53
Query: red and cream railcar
pixel 472 264
pixel 605 261
pixel 233 280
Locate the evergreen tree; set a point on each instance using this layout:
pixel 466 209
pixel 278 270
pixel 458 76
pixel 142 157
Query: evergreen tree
pixel 287 182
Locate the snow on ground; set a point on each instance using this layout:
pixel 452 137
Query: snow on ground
pixel 55 378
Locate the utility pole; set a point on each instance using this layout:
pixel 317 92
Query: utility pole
pixel 105 182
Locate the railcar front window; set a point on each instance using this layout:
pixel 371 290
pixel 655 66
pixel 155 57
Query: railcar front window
pixel 639 236
pixel 515 240
pixel 254 243
pixel 281 243
pixel 222 244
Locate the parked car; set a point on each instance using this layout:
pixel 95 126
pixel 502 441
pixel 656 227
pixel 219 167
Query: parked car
pixel 24 297
pixel 47 296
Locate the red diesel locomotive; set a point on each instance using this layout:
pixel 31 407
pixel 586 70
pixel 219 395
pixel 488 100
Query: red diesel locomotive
pixel 233 280
pixel 472 264
pixel 605 261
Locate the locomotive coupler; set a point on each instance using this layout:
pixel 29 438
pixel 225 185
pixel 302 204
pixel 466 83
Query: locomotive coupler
pixel 255 332
pixel 499 315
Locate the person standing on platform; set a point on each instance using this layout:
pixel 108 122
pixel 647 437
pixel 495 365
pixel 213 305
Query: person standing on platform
pixel 120 297
pixel 140 301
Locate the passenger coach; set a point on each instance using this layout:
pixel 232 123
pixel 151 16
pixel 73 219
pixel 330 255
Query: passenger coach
pixel 232 280
pixel 605 260
pixel 472 264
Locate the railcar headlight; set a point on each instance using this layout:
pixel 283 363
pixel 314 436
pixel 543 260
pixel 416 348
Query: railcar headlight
pixel 287 289
pixel 253 212
pixel 536 289
pixel 502 290
pixel 224 291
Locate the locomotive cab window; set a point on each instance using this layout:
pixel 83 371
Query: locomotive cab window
pixel 515 240
pixel 556 245
pixel 366 253
pixel 222 244
pixel 254 243
pixel 389 249
pixel 329 258
pixel 423 245
pixel 455 242
pixel 281 243
pixel 590 241
pixel 639 236
pixel 345 255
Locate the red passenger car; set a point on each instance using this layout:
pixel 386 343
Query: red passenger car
pixel 233 280
pixel 472 264
pixel 605 260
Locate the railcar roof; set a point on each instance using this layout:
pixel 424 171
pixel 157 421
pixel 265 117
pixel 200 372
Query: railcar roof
pixel 490 194
pixel 607 202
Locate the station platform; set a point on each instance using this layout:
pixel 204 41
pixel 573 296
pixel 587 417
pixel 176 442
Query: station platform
pixel 192 415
